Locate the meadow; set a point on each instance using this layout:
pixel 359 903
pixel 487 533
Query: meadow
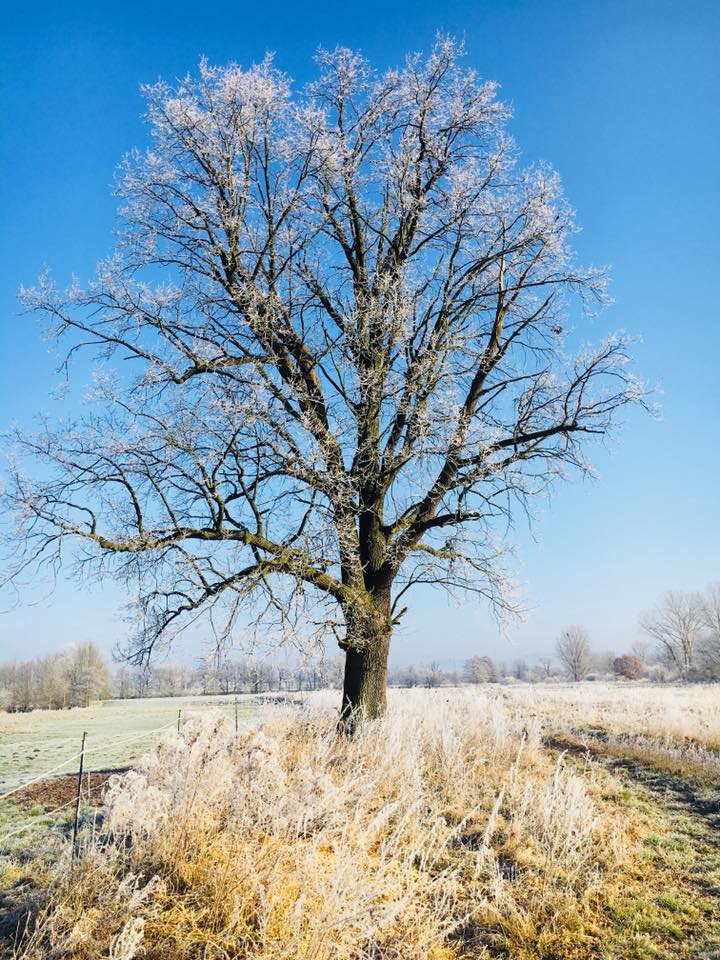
pixel 118 731
pixel 529 822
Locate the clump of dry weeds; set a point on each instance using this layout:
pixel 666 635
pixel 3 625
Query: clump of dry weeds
pixel 442 831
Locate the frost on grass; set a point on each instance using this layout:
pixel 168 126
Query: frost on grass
pixel 441 831
pixel 673 728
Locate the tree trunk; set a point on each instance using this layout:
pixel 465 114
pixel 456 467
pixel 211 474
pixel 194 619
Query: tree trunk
pixel 365 682
pixel 367 644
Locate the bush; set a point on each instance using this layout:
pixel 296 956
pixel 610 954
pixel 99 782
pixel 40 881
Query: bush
pixel 628 666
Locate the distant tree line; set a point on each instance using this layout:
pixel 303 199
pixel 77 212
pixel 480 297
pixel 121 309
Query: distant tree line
pixel 683 642
pixel 228 675
pixel 73 677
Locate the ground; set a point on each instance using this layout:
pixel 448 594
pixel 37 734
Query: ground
pixel 118 732
pixel 672 909
pixel 562 775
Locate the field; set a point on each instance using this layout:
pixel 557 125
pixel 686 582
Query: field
pixel 118 731
pixel 528 822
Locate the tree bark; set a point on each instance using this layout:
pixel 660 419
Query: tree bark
pixel 367 646
pixel 365 682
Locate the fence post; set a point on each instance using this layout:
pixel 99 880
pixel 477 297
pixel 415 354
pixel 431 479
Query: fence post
pixel 77 798
pixel 179 712
pixel 236 716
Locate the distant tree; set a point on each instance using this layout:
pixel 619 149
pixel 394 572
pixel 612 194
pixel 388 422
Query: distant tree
pixel 628 666
pixel 434 675
pixel 335 669
pixel 573 650
pixel 644 650
pixel 50 689
pixel 88 675
pixel 545 665
pixel 124 686
pixel 141 681
pixel 410 676
pixel 603 662
pixel 22 687
pixel 709 644
pixel 345 308
pixel 676 626
pixel 520 669
pixel 480 670
pixel 169 680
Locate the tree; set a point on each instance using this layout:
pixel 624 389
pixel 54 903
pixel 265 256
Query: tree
pixel 546 667
pixel 124 683
pixel 410 677
pixel 520 669
pixel 676 626
pixel 709 646
pixel 628 666
pixel 72 677
pixel 345 310
pixel 434 675
pixel 88 677
pixel 573 650
pixel 480 670
pixel 603 661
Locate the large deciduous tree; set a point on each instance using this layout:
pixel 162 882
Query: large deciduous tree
pixel 340 314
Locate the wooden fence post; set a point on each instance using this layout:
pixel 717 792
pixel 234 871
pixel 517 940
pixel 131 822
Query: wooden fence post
pixel 77 798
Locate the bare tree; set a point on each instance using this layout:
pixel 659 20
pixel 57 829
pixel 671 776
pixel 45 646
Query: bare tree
pixel 520 669
pixel 546 667
pixel 709 645
pixel 480 670
pixel 345 310
pixel 676 626
pixel 573 650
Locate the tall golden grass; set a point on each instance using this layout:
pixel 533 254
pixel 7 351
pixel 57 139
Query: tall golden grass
pixel 442 831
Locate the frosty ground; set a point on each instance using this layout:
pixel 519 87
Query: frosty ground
pixel 545 821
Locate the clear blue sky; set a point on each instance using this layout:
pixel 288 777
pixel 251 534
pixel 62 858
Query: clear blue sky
pixel 622 97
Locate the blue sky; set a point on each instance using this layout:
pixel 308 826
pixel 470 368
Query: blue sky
pixel 621 97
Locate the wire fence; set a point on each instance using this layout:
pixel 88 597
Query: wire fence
pixel 90 761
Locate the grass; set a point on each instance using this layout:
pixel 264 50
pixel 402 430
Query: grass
pixel 671 712
pixel 455 829
pixel 444 831
pixel 118 731
pixel 674 728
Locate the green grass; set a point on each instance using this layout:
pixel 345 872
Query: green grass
pixel 118 731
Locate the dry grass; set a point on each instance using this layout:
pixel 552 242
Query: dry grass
pixel 444 831
pixel 674 728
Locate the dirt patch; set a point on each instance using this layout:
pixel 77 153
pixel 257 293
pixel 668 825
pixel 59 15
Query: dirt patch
pixel 55 791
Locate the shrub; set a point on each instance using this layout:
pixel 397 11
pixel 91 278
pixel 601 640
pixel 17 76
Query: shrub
pixel 628 666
